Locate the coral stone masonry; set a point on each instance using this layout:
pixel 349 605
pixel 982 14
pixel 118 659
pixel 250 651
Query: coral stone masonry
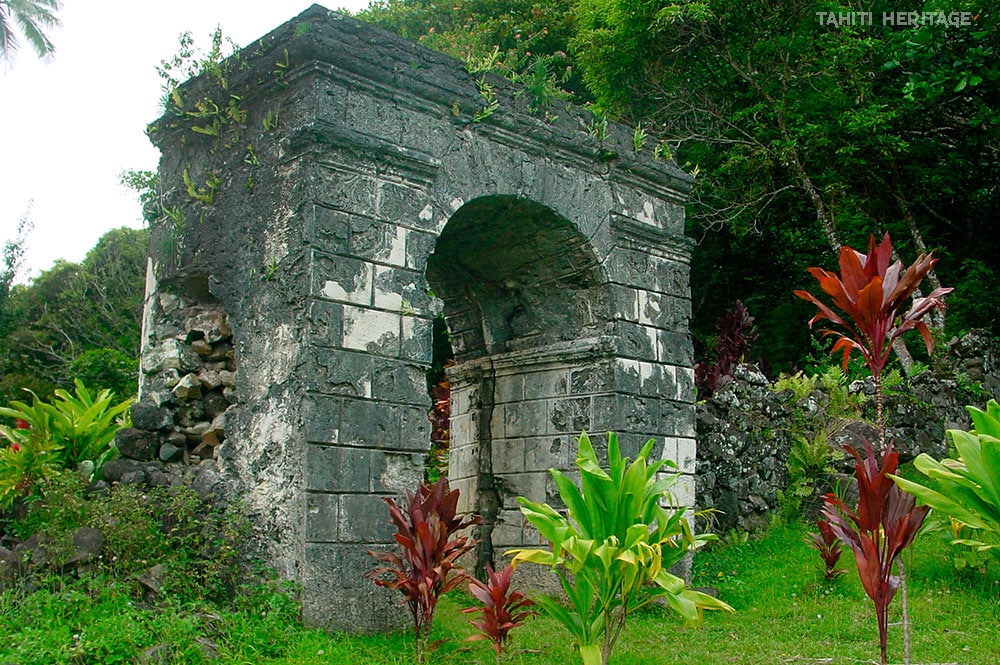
pixel 327 194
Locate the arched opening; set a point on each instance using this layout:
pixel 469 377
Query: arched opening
pixel 527 305
pixel 513 274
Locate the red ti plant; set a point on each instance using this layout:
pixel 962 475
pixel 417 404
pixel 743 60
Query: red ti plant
pixel 885 523
pixel 736 336
pixel 426 566
pixel 828 545
pixel 502 609
pixel 868 297
pixel 869 293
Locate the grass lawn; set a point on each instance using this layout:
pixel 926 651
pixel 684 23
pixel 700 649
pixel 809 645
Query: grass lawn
pixel 786 613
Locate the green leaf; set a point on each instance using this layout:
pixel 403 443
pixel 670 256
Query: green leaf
pixel 590 654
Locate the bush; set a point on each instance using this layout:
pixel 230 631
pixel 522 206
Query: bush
pixel 196 544
pixel 109 368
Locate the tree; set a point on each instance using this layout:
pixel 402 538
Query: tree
pixel 32 18
pixel 72 309
pixel 12 257
pixel 802 131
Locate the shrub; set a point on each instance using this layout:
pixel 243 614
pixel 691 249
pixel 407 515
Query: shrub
pixel 966 489
pixel 196 544
pixel 502 609
pixel 109 368
pixel 80 426
pixel 429 549
pixel 612 549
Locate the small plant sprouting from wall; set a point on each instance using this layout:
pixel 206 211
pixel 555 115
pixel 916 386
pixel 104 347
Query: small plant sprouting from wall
pixel 203 194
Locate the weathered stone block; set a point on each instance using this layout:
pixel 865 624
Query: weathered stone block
pixel 338 469
pixel 399 382
pixel 674 348
pixel 418 247
pixel 404 205
pixel 372 330
pixel 369 424
pixel 417 342
pixel 521 419
pixel 597 378
pixel 321 418
pixel 569 416
pixel 341 279
pixel 326 229
pixel 398 473
pixel 508 456
pixel 347 192
pixel 327 320
pixel 549 452
pixel 342 372
pixel 378 241
pixel 549 383
pixel 322 517
pixel 509 388
pixel 401 290
pixel 414 428
pixel 364 518
pixel 636 341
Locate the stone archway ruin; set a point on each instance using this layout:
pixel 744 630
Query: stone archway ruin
pixel 323 198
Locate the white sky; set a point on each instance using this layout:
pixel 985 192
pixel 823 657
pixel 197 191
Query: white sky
pixel 69 126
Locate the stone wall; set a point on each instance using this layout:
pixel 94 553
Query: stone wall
pixel 745 430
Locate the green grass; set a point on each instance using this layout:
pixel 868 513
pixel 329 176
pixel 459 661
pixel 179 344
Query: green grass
pixel 786 613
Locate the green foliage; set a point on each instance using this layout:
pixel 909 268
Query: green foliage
pixel 81 425
pixel 613 548
pixel 966 489
pixel 203 194
pixel 810 463
pixel 33 19
pixel 144 184
pixel 786 613
pixel 189 61
pixel 109 368
pixel 25 463
pixel 196 544
pixel 72 308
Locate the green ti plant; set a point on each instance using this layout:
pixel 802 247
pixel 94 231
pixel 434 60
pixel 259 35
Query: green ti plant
pixel 426 566
pixel 502 609
pixel 78 428
pixel 612 548
pixel 966 489
pixel 868 296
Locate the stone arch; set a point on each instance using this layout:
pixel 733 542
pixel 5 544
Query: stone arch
pixel 527 303
pixel 559 258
